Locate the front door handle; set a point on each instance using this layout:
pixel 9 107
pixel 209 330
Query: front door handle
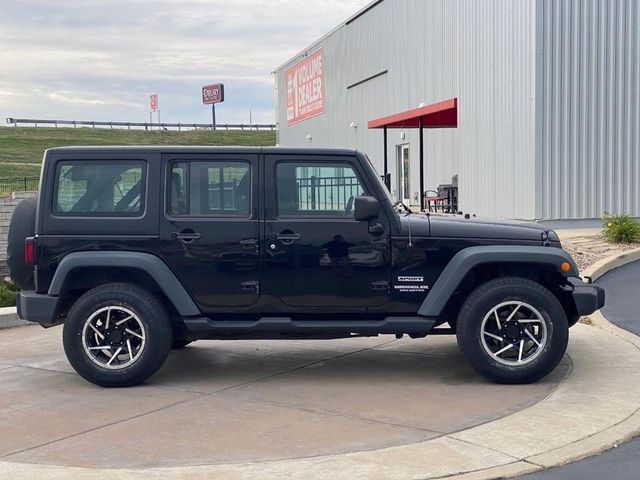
pixel 185 236
pixel 287 237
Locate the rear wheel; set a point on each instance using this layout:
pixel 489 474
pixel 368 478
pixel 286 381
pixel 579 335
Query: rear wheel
pixel 512 330
pixel 117 335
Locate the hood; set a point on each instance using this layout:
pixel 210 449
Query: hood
pixel 416 223
pixel 460 226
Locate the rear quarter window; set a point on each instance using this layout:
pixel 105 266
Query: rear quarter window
pixel 100 188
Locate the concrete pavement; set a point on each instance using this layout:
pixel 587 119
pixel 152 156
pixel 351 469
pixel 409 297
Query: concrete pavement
pixel 358 408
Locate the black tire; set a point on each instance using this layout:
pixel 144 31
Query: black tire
pixel 480 304
pixel 22 225
pixel 152 317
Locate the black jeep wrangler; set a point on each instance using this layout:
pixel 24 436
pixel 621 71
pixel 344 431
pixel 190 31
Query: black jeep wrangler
pixel 141 249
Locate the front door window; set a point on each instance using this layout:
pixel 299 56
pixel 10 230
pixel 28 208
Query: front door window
pixel 317 190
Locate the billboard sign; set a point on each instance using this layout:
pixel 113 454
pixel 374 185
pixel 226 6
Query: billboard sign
pixel 153 102
pixel 305 88
pixel 213 94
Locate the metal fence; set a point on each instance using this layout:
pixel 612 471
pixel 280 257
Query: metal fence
pixel 23 184
pixel 146 125
pixel 327 193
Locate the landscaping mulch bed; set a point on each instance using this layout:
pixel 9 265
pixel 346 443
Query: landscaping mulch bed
pixel 590 249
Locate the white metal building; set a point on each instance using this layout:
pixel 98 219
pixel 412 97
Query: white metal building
pixel 548 100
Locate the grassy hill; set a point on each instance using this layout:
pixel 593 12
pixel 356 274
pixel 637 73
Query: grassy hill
pixel 21 148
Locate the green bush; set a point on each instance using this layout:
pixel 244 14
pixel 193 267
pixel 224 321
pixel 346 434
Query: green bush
pixel 7 294
pixel 620 228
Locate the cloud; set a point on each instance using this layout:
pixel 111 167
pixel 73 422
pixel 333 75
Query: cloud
pixel 101 60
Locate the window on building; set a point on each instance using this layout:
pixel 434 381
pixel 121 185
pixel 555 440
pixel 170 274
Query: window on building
pixel 199 188
pixel 307 189
pixel 88 188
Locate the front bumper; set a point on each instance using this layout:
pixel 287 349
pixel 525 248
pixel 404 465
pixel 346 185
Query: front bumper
pixel 37 307
pixel 587 297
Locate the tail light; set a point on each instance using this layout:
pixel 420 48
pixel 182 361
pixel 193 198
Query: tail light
pixel 29 250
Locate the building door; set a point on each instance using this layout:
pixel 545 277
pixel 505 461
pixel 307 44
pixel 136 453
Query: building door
pixel 316 254
pixel 403 186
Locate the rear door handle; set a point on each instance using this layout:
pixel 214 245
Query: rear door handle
pixel 287 237
pixel 185 236
pixel 248 243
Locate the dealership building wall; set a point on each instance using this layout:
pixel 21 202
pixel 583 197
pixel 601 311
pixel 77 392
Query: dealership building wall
pixel 548 100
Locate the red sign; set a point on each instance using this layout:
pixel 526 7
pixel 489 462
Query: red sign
pixel 305 88
pixel 213 93
pixel 153 102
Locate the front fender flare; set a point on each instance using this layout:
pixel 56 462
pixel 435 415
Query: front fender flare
pixel 156 268
pixel 468 258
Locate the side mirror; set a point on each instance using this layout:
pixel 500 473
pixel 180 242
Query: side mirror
pixel 366 208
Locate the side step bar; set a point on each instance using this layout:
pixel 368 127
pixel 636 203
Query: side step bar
pixel 286 327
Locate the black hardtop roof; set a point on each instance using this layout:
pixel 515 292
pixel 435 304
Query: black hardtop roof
pixel 201 149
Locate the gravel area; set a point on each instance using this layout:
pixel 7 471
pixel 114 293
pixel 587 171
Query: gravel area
pixel 589 249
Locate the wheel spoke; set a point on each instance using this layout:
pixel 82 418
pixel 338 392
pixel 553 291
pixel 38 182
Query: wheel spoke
pixel 131 332
pixel 532 337
pixel 108 317
pixel 129 348
pixel 120 322
pixel 513 313
pixel 502 350
pixel 103 347
pixel 114 355
pixel 97 332
pixel 530 320
pixel 495 314
pixel 494 336
pixel 521 350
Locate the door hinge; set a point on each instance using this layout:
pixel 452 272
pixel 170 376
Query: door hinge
pixel 380 286
pixel 251 286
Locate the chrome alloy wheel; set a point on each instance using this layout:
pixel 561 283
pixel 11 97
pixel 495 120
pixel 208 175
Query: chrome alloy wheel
pixel 513 333
pixel 113 337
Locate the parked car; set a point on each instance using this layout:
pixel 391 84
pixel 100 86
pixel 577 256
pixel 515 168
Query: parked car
pixel 140 249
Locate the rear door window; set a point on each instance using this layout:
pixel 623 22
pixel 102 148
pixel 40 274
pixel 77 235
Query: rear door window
pixel 99 188
pixel 215 188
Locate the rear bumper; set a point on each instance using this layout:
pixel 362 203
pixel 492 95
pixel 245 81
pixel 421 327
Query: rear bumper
pixel 37 308
pixel 587 297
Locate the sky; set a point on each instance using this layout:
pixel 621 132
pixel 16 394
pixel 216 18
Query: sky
pixel 101 59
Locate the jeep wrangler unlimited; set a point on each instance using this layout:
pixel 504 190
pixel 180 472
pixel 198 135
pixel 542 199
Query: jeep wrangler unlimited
pixel 140 249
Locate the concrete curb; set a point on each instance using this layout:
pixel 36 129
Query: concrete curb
pixel 595 408
pixel 9 318
pixel 605 265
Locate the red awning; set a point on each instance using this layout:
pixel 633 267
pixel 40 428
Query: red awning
pixel 437 115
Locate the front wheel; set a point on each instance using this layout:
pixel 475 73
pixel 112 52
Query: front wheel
pixel 117 335
pixel 512 330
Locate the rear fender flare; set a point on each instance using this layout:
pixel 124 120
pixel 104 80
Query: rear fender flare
pixel 146 262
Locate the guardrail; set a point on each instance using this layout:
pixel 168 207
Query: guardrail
pixel 146 125
pixel 21 184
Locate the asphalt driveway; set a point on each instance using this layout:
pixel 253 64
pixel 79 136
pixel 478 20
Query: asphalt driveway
pixel 622 308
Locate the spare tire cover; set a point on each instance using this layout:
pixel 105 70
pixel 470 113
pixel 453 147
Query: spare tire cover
pixel 22 225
